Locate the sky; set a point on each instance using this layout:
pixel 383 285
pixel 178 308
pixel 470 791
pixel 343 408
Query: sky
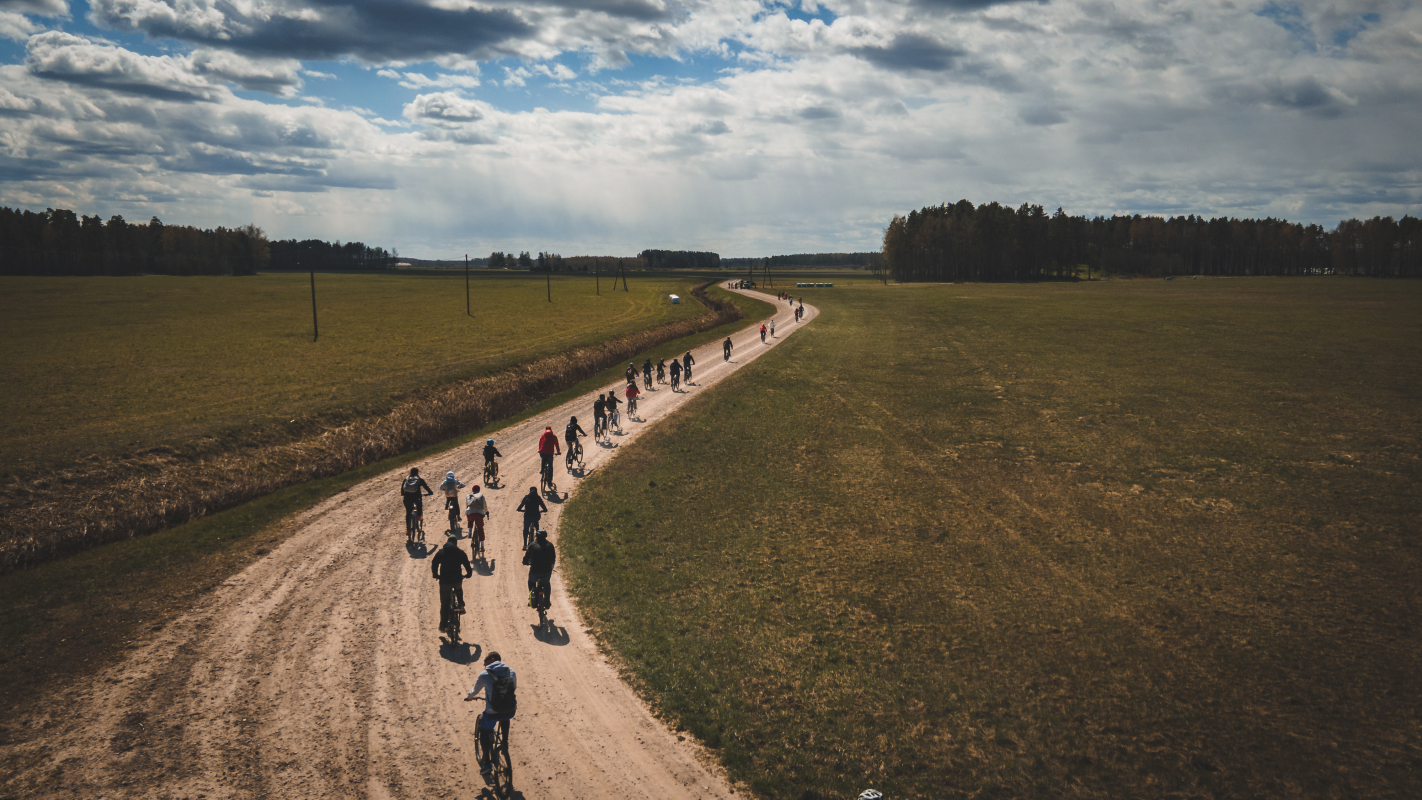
pixel 446 127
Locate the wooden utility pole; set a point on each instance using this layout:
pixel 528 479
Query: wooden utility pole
pixel 623 268
pixel 315 329
pixel 467 309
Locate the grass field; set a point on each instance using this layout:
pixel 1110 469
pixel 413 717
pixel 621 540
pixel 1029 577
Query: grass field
pixel 1126 539
pixel 99 365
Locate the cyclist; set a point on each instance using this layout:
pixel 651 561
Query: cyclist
pixel 631 373
pixel 490 453
pixel 476 510
pixel 647 373
pixel 632 393
pixel 686 362
pixel 450 567
pixel 772 326
pixel 499 684
pixel 675 374
pixel 599 415
pixel 762 333
pixel 726 348
pixel 571 434
pixel 661 370
pixel 532 507
pixel 613 418
pixel 547 448
pixel 539 559
pixel 451 488
pixel 413 490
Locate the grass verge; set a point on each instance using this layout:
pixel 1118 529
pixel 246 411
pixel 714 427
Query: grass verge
pixel 1128 539
pixel 63 620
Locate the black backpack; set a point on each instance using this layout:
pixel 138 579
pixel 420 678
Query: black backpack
pixel 411 485
pixel 502 700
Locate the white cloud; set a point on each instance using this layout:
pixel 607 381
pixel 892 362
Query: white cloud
pixel 443 107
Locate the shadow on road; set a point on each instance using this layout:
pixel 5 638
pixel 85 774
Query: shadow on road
pixel 483 566
pixel 464 653
pixel 418 549
pixel 553 634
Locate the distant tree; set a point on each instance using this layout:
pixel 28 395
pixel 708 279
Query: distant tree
pixel 525 260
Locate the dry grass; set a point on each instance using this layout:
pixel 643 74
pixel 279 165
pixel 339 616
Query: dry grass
pixel 106 498
pixel 1126 540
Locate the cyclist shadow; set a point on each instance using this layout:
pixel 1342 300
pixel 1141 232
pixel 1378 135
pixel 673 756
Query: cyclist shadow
pixel 556 497
pixel 462 653
pixel 553 634
pixel 499 792
pixel 483 566
pixel 418 549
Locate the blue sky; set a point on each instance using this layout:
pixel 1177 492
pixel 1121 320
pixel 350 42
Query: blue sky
pixel 441 127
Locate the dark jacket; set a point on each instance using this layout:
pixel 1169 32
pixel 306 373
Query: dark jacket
pixel 491 452
pixel 532 506
pixel 540 557
pixel 450 565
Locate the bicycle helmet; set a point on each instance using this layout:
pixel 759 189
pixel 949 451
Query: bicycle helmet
pixel 475 488
pixel 449 475
pixel 488 441
pixel 870 794
pixel 541 535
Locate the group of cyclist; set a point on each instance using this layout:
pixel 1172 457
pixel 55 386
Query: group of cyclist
pixel 450 566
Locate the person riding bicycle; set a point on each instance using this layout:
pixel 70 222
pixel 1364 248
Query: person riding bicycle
pixel 490 453
pixel 632 394
pixel 631 373
pixel 450 567
pixel 572 432
pixel 539 559
pixel 532 507
pixel 762 331
pixel 647 373
pixel 547 448
pixel 772 326
pixel 686 362
pixel 726 348
pixel 451 488
pixel 675 373
pixel 599 414
pixel 499 683
pixel 476 510
pixel 661 370
pixel 612 403
pixel 413 490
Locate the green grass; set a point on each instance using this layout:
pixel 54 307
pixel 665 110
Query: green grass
pixel 1126 539
pixel 63 620
pixel 102 365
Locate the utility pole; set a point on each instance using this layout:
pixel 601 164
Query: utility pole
pixel 315 329
pixel 623 268
pixel 548 278
pixel 597 276
pixel 467 309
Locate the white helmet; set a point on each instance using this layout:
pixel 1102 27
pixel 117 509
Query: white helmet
pixel 870 794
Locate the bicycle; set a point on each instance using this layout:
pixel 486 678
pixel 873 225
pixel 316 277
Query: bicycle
pixel 540 602
pixel 615 421
pixel 499 757
pixel 414 527
pixel 453 506
pixel 491 473
pixel 530 528
pixel 647 380
pixel 632 408
pixel 574 456
pixel 546 483
pixel 676 381
pixel 452 603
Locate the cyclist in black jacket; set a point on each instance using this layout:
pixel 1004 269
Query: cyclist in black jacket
pixel 539 559
pixel 413 490
pixel 532 507
pixel 450 567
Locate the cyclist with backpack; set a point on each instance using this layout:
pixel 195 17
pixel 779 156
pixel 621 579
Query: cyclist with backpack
pixel 450 567
pixel 413 490
pixel 499 684
pixel 476 510
pixel 539 559
pixel 532 507
pixel 451 488
pixel 631 373
pixel 647 374
pixel 675 374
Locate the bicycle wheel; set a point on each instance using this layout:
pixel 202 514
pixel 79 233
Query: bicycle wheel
pixel 420 529
pixel 503 765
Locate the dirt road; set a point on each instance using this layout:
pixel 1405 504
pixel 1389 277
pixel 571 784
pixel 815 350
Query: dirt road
pixel 318 671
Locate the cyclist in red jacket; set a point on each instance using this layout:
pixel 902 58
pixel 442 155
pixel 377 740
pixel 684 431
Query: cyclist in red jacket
pixel 547 448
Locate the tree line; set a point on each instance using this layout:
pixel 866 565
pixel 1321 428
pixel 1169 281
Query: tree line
pixel 856 260
pixel 312 254
pixel 59 242
pixel 993 242
pixel 680 259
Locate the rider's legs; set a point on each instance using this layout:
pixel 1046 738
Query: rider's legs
pixel 451 596
pixel 486 739
pixel 410 502
pixel 541 581
pixel 547 463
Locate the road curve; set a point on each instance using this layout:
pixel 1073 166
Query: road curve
pixel 318 671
